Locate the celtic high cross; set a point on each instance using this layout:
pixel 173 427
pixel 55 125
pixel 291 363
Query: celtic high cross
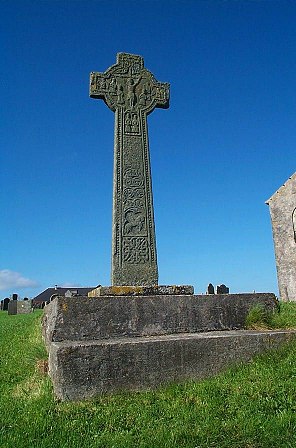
pixel 132 92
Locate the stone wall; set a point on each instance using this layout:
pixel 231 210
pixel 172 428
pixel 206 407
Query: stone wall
pixel 282 206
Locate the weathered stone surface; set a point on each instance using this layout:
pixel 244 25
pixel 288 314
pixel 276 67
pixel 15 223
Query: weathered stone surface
pixel 82 369
pixel 84 318
pixel 141 290
pixel 24 307
pixel 12 307
pixel 132 92
pixel 282 207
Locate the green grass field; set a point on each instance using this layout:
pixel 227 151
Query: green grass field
pixel 249 406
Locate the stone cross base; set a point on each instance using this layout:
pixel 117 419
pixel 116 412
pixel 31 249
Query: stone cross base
pixel 137 342
pixel 141 290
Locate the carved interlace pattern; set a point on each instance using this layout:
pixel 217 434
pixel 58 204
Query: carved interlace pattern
pixel 135 250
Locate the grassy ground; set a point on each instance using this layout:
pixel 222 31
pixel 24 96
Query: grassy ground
pixel 249 406
pixel 258 318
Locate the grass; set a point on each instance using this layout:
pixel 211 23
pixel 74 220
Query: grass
pixel 249 406
pixel 258 318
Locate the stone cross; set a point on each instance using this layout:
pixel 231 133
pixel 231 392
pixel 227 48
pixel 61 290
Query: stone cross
pixel 132 92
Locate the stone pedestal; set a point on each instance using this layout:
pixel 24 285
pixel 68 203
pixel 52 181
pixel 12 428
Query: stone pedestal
pixel 103 344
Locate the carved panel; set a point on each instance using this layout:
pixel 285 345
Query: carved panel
pixel 135 250
pixel 131 123
pixel 130 86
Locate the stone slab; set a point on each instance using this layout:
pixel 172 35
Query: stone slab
pixel 141 290
pixel 81 369
pixel 12 307
pixel 85 319
pixel 24 307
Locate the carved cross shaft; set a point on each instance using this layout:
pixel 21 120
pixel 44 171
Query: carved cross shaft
pixel 132 92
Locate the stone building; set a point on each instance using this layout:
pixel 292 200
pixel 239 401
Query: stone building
pixel 282 207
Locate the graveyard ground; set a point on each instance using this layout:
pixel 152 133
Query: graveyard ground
pixel 249 406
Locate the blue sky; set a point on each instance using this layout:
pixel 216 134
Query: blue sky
pixel 224 146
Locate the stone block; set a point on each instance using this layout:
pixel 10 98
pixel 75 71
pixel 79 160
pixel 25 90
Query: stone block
pixel 84 318
pixel 24 307
pixel 141 290
pixel 12 307
pixel 85 369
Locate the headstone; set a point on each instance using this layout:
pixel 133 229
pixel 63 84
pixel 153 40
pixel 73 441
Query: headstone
pixel 1 305
pixel 5 303
pixel 14 296
pixel 26 298
pixel 132 92
pixel 12 307
pixel 24 307
pixel 210 289
pixel 282 207
pixel 222 289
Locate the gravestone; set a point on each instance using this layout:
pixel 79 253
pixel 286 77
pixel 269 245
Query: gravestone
pixel 12 307
pixel 24 307
pixel 5 303
pixel 282 207
pixel 1 305
pixel 14 296
pixel 132 92
pixel 222 289
pixel 210 289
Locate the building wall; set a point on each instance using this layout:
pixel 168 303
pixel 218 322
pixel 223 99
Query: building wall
pixel 282 206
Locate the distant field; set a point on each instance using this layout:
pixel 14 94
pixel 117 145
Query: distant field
pixel 249 406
